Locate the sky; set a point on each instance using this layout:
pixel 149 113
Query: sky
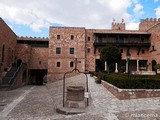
pixel 34 17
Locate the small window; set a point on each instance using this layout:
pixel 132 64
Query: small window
pixel 58 64
pixel 71 50
pixel 72 37
pixel 39 62
pixel 3 53
pixel 71 64
pixel 89 38
pixel 58 37
pixel 143 51
pixel 153 47
pixel 12 56
pixel 121 50
pixel 58 50
pixel 88 50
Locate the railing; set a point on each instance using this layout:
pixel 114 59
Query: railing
pixel 122 43
pixel 13 77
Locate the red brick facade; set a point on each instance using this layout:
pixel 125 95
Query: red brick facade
pixel 69 38
pixel 8 43
pixel 57 54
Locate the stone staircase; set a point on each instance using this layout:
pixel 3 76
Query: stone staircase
pixel 9 78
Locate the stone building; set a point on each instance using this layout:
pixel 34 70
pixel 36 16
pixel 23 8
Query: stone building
pixel 55 55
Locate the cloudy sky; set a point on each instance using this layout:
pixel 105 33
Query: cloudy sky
pixel 33 17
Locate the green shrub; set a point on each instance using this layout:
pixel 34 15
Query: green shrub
pixel 133 82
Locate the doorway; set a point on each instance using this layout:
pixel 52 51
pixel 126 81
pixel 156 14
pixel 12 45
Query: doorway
pixel 153 64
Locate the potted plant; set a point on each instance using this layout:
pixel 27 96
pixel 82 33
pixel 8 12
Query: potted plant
pixel 91 74
pixel 98 80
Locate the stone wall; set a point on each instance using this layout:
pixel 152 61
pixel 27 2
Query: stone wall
pixel 123 94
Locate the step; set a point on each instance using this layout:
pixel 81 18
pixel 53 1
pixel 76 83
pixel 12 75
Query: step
pixel 6 80
pixel 4 87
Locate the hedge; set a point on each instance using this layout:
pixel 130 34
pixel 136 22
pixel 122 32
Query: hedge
pixel 132 82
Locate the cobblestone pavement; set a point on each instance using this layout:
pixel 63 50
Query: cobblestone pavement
pixel 40 102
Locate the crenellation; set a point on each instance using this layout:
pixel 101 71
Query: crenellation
pixel 148 23
pixel 151 19
pixel 32 38
pixel 118 26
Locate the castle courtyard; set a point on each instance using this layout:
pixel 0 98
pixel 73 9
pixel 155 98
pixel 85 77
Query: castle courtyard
pixel 40 102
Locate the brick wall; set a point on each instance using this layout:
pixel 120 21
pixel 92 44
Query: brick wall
pixel 148 23
pixel 90 56
pixel 118 26
pixel 65 43
pixel 155 42
pixel 7 38
pixel 23 52
pixel 34 57
pixel 123 94
pixel 39 58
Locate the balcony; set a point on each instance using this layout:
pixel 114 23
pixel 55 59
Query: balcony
pixel 122 39
pixel 122 43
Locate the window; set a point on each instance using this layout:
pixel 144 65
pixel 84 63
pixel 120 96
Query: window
pixel 89 38
pixel 58 64
pixel 39 62
pixel 153 47
pixel 71 64
pixel 99 50
pixel 12 56
pixel 88 50
pixel 3 53
pixel 121 50
pixel 71 50
pixel 58 37
pixel 72 37
pixel 143 51
pixel 58 50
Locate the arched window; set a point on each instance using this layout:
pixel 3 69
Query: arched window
pixel 71 64
pixel 3 53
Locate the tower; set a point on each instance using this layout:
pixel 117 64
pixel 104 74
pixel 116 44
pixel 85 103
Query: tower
pixel 118 26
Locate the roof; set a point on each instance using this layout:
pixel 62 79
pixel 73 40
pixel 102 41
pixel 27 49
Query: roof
pixel 105 31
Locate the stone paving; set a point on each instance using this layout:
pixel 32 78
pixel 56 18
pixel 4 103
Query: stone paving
pixel 40 102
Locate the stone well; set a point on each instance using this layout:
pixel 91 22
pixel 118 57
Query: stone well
pixel 75 97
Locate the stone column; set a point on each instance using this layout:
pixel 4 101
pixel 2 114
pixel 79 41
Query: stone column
pixel 126 66
pixel 105 65
pixel 137 65
pixel 116 69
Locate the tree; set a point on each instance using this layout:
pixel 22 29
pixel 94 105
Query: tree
pixel 111 54
pixel 156 67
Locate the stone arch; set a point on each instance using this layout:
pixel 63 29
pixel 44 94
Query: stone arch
pixel 19 61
